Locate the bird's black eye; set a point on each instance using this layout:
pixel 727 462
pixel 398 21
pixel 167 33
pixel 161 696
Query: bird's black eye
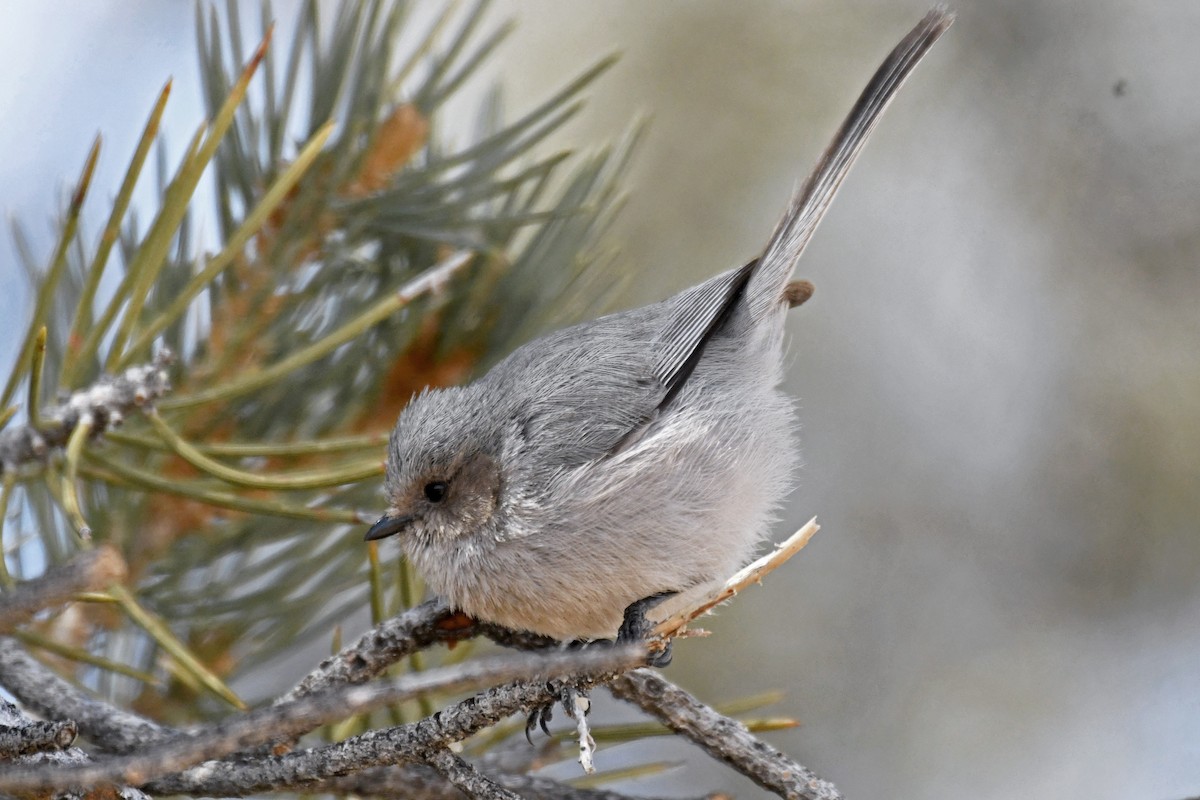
pixel 435 492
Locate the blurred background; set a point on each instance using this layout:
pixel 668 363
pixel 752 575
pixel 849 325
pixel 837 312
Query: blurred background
pixel 998 377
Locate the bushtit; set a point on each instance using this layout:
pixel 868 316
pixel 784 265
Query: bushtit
pixel 643 453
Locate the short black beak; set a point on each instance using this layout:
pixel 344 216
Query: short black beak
pixel 387 526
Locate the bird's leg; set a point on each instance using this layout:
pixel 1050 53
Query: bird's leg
pixel 636 628
pixel 570 697
pixel 566 695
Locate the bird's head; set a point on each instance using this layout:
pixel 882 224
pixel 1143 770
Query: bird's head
pixel 443 477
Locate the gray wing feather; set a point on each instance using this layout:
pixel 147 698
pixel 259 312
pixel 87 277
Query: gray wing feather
pixel 590 390
pixel 593 389
pixel 697 314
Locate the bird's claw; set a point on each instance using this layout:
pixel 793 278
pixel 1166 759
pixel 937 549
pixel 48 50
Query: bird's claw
pixel 636 628
pixel 540 717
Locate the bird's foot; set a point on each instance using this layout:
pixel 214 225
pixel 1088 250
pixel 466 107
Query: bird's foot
pixel 636 628
pixel 569 697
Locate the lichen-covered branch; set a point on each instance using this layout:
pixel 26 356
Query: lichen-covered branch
pixel 36 737
pixel 50 747
pixel 419 782
pixel 403 744
pixel 39 689
pixel 421 627
pixel 299 716
pixel 467 779
pixel 722 738
pixel 106 404
pixel 317 699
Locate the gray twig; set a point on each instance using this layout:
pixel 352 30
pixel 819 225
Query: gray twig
pixel 722 738
pixel 421 627
pixel 36 737
pixel 92 570
pixel 12 717
pixel 118 731
pixel 470 781
pixel 403 744
pixel 106 402
pixel 515 755
pixel 39 689
pixel 377 649
pixel 433 622
pixel 300 716
pixel 419 782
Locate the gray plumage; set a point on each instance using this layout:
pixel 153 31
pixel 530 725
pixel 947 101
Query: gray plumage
pixel 642 452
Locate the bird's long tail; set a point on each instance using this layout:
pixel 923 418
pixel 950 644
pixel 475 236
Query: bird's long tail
pixel 765 290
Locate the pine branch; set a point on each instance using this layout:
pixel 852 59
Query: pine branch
pixel 467 779
pixel 394 746
pixel 294 718
pixel 38 688
pixel 105 404
pixel 35 737
pixel 420 783
pixel 722 738
pixel 419 628
pixel 329 693
pixel 24 741
pixel 349 272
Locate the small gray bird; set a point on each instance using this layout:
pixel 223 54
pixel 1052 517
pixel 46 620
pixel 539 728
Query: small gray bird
pixel 642 454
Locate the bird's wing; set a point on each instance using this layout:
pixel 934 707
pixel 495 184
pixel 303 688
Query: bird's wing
pixel 593 389
pixel 695 315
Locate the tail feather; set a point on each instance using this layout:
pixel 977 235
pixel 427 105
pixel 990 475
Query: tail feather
pixel 765 291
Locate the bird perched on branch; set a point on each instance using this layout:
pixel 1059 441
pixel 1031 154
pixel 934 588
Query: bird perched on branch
pixel 640 456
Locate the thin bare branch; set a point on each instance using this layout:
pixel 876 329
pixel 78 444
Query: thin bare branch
pixel 36 737
pixel 722 738
pixel 40 690
pixel 418 782
pixel 470 781
pixel 750 574
pixel 298 717
pixel 403 744
pixel 90 571
pixel 419 628
pixel 378 648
